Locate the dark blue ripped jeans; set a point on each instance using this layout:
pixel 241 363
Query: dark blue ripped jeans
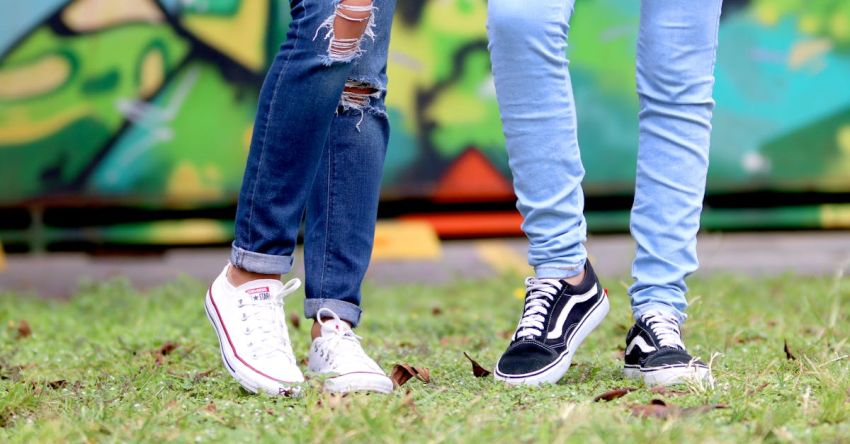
pixel 317 153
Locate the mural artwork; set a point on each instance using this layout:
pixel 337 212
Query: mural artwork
pixel 150 103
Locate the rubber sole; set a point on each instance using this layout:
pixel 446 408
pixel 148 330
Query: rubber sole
pixel 559 367
pixel 232 365
pixel 672 375
pixel 359 382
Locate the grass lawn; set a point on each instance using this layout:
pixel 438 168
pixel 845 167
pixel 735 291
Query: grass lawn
pixel 103 368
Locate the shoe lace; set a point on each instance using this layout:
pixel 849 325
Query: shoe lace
pixel 666 329
pixel 267 325
pixel 538 299
pixel 342 346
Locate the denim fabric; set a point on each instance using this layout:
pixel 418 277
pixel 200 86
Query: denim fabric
pixel 676 52
pixel 317 156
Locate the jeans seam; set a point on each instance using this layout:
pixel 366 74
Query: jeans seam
pixel 266 125
pixel 329 216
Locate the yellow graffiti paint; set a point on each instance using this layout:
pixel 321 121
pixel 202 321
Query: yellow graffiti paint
pixel 153 73
pixel 186 183
pixel 810 24
pixel 240 37
pixel 19 130
pixel 458 108
pixel 406 240
pixel 90 15
pixel 39 77
pixel 767 13
pixel 839 27
pixel 843 140
pixel 835 216
pixel 500 257
pixel 247 136
pixel 805 51
pixel 189 232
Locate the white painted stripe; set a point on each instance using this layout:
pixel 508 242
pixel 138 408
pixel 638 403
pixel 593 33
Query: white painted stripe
pixel 558 330
pixel 639 342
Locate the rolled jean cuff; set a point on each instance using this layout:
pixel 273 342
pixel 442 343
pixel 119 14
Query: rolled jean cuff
pixel 640 310
pixel 259 262
pixel 553 270
pixel 345 310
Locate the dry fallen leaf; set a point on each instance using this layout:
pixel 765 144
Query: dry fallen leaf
pixel 210 408
pixel 788 355
pixel 477 370
pixel 656 408
pixel 757 389
pixel 164 351
pixel 402 373
pixel 295 320
pixel 24 330
pixel 203 375
pixel 613 394
pixel 332 401
pixel 58 384
pixel 660 409
pixel 436 311
pixel 661 390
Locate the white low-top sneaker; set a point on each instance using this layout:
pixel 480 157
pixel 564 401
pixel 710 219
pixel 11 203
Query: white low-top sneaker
pixel 338 355
pixel 251 328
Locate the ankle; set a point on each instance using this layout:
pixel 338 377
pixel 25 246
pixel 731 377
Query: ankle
pixel 577 279
pixel 316 330
pixel 237 276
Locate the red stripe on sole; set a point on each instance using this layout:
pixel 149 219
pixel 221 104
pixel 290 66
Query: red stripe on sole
pixel 230 342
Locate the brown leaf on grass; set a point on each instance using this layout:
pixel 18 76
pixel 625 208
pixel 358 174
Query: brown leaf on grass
pixel 660 409
pixel 661 390
pixel 758 389
pixel 295 320
pixel 167 348
pixel 203 375
pixel 403 372
pixel 506 334
pixel 613 394
pixel 477 370
pixel 164 351
pixel 210 408
pixel 656 408
pixel 23 329
pixel 788 355
pixel 56 385
pixel 436 311
pixel 332 401
pixel 53 385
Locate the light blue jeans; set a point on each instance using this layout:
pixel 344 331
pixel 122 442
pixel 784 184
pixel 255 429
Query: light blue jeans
pixel 676 51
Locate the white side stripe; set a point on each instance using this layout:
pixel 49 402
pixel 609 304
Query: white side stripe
pixel 639 342
pixel 558 330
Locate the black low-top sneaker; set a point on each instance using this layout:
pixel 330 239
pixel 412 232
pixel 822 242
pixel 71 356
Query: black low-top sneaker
pixel 556 319
pixel 655 353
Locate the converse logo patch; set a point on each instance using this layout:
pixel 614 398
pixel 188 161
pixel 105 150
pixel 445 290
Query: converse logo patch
pixel 259 294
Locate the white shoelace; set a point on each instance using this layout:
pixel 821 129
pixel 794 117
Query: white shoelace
pixel 539 296
pixel 267 325
pixel 665 327
pixel 342 347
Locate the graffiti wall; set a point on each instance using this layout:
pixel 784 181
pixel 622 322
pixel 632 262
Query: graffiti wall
pixel 151 102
